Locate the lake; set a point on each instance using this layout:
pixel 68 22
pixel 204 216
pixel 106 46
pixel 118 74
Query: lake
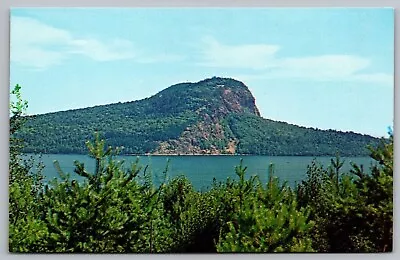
pixel 201 170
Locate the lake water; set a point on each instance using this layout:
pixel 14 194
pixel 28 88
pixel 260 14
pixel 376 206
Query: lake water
pixel 201 170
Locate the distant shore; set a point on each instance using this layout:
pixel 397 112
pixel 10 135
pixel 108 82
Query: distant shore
pixel 177 154
pixel 174 154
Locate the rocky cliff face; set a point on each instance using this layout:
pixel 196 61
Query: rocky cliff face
pixel 239 101
pixel 217 98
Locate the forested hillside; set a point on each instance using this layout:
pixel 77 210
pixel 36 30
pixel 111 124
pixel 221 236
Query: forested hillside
pixel 213 116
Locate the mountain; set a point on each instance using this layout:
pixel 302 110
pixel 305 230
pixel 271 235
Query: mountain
pixel 212 116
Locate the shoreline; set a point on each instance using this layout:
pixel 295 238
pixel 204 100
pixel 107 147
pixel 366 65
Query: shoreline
pixel 197 155
pixel 177 154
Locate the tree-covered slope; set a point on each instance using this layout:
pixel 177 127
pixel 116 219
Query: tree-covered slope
pixel 213 116
pixel 257 135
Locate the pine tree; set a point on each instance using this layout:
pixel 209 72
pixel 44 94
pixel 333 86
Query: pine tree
pixel 26 231
pixel 268 219
pixel 109 212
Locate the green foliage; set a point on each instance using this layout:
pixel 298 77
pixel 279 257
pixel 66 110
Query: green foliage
pixel 266 219
pixel 117 209
pixel 17 109
pixel 110 212
pixel 353 213
pixel 194 216
pixel 376 198
pixel 257 135
pixel 26 230
pixel 182 114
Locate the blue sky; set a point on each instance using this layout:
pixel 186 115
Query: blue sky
pixel 324 68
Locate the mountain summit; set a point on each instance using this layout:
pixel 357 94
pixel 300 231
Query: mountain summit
pixel 218 96
pixel 212 116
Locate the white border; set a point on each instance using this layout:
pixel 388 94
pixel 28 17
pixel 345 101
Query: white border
pixel 4 96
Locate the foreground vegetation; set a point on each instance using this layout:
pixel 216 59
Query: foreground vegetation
pixel 117 209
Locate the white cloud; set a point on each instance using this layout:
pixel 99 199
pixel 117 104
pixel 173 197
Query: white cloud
pixel 26 30
pixel 344 68
pixel 37 57
pixel 254 56
pixel 262 59
pixel 98 51
pixel 325 66
pixel 37 45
